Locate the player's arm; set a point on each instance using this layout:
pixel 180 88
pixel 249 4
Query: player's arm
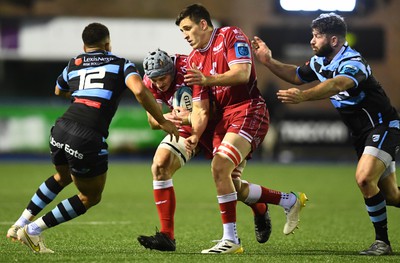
pixel 237 74
pixel 178 117
pixel 146 99
pixel 199 120
pixel 152 122
pixel 321 91
pixel 61 93
pixel 286 72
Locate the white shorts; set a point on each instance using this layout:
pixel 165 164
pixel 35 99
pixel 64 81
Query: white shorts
pixel 177 148
pixel 384 157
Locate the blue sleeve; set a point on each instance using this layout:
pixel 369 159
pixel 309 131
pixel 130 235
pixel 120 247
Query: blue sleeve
pixel 62 80
pixel 354 69
pixel 130 69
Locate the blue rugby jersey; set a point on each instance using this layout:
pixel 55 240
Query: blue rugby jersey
pixel 361 107
pixel 97 81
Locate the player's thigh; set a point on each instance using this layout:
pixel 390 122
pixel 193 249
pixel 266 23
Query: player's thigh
pixel 63 175
pixel 388 186
pixel 241 144
pixel 369 169
pixel 177 149
pixel 379 150
pixel 165 163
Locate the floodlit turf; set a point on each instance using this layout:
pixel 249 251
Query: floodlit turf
pixel 334 225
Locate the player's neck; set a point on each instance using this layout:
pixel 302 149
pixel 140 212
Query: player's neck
pixel 88 50
pixel 207 37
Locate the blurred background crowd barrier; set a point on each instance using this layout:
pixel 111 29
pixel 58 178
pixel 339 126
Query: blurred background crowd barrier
pixel 38 37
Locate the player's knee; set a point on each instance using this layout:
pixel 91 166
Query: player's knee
pixel 160 170
pixel 363 178
pixel 366 183
pixel 362 182
pixel 217 166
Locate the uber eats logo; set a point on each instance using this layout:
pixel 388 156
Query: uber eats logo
pixel 67 148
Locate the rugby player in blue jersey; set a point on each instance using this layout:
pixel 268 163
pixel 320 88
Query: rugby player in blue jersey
pixel 95 81
pixel 346 78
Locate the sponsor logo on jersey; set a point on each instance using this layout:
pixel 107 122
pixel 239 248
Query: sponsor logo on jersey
pixel 200 66
pixel 349 70
pixel 242 50
pixel 239 35
pixel 94 61
pixel 67 148
pixel 78 61
pixel 218 48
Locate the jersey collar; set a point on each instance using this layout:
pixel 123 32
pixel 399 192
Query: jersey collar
pixel 209 41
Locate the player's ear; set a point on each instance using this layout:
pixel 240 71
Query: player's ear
pixel 334 41
pixel 108 46
pixel 203 24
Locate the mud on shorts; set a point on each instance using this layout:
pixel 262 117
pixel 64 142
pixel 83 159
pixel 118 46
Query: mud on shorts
pixel 83 149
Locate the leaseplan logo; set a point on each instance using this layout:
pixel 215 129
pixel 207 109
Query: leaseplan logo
pixel 375 137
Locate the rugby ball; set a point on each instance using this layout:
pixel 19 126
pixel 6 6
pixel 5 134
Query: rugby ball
pixel 183 98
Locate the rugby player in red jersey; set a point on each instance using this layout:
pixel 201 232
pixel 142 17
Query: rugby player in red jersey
pixel 221 68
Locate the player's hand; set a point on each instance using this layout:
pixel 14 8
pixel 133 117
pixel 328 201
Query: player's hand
pixel 170 128
pixel 182 114
pixel 172 117
pixel 195 77
pixel 191 144
pixel 178 116
pixel 261 50
pixel 290 96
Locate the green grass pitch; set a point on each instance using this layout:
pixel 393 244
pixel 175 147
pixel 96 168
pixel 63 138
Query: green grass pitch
pixel 334 225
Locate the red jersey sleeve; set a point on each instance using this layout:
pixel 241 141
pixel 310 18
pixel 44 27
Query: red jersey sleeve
pixel 237 45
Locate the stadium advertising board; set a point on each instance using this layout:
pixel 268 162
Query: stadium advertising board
pixel 25 129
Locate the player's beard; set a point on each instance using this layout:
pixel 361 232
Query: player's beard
pixel 324 51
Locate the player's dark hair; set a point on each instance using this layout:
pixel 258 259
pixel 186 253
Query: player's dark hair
pixel 331 24
pixel 195 12
pixel 95 34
